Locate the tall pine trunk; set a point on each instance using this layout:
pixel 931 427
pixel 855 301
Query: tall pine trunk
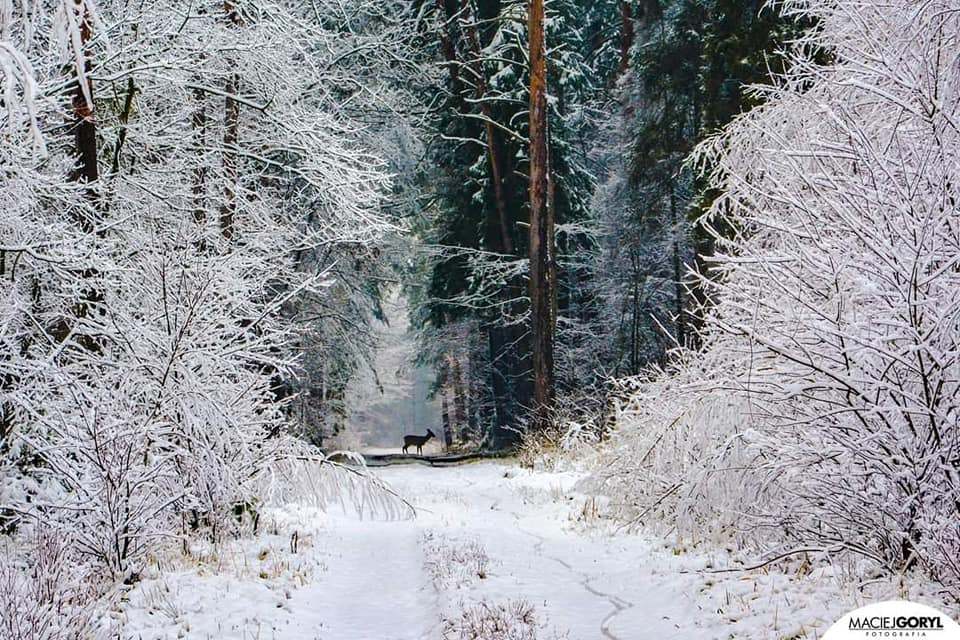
pixel 495 147
pixel 543 268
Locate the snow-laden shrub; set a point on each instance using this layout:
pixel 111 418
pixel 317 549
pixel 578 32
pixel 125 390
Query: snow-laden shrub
pixel 47 595
pixel 154 251
pixel 824 412
pixel 680 453
pixel 578 422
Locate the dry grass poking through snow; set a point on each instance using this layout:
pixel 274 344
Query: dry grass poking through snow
pixel 510 620
pixel 232 588
pixel 453 563
pixel 457 564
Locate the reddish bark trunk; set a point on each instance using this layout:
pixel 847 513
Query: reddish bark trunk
pixel 449 49
pixel 543 270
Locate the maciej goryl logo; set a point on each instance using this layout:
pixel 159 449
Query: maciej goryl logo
pixel 894 619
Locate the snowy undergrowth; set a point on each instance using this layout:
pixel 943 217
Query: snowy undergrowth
pixel 242 586
pixel 505 620
pixel 453 563
pixel 246 581
pixel 53 596
pixel 797 599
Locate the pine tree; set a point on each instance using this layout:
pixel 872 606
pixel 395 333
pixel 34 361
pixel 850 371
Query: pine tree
pixel 480 180
pixel 688 67
pixel 543 266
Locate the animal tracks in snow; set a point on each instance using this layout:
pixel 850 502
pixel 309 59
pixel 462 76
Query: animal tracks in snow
pixel 490 542
pixel 535 559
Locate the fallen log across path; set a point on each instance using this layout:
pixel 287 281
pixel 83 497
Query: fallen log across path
pixel 442 460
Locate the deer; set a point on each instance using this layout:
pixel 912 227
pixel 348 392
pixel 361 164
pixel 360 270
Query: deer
pixel 417 441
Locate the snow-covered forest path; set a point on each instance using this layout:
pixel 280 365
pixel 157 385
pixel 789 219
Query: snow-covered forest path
pixel 373 586
pixel 587 586
pixel 353 579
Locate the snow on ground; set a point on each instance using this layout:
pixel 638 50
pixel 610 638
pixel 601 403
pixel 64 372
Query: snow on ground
pixel 487 535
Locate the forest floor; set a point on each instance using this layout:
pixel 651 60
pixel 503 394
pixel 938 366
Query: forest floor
pixel 493 546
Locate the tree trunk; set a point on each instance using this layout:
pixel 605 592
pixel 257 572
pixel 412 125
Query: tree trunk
pixel 84 126
pixel 495 154
pixel 445 404
pixel 477 409
pixel 124 118
pixel 497 174
pixel 635 329
pixel 447 427
pixel 502 436
pixel 231 136
pixel 626 34
pixel 449 49
pixel 543 270
pixel 459 395
pixel 681 320
pixel 199 189
pixel 86 172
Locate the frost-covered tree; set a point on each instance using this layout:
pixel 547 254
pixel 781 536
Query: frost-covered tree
pixel 187 191
pixel 822 415
pixel 684 75
pixel 479 181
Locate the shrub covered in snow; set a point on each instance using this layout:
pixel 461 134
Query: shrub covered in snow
pixel 453 563
pixel 46 595
pixel 824 411
pixel 154 255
